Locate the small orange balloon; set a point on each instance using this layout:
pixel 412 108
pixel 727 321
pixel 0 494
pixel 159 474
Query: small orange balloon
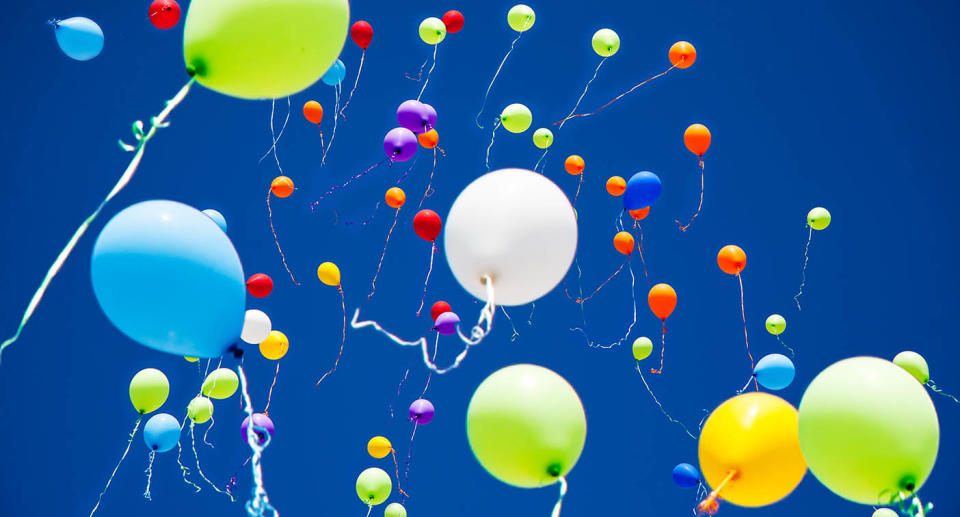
pixel 640 214
pixel 731 259
pixel 697 139
pixel 313 112
pixel 574 164
pixel 616 186
pixel 623 241
pixel 395 197
pixel 281 186
pixel 662 300
pixel 682 54
pixel 430 139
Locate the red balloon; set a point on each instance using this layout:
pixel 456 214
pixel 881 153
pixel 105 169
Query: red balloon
pixel 260 285
pixel 164 14
pixel 427 225
pixel 453 20
pixel 439 308
pixel 362 34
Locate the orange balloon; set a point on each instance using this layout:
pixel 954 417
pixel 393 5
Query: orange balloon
pixel 395 197
pixel 662 300
pixel 640 214
pixel 623 241
pixel 697 139
pixel 616 186
pixel 430 139
pixel 574 164
pixel 313 112
pixel 682 54
pixel 731 259
pixel 281 186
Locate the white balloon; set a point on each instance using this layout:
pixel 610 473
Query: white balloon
pixel 516 226
pixel 256 327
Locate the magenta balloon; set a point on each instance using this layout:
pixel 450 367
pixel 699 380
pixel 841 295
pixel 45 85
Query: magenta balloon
pixel 260 421
pixel 416 116
pixel 421 411
pixel 400 144
pixel 446 323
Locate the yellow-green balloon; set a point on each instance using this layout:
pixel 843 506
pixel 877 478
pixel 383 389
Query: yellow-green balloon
pixel 818 218
pixel 395 510
pixel 776 324
pixel 642 348
pixel 516 118
pixel 191 359
pixel 200 409
pixel 432 30
pixel 526 425
pixel 914 364
pixel 374 486
pixel 221 383
pixel 885 512
pixel 868 430
pixel 149 389
pixel 543 138
pixel 521 17
pixel 605 42
pixel 258 49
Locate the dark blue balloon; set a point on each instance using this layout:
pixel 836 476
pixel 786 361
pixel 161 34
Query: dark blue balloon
pixel 643 189
pixel 686 475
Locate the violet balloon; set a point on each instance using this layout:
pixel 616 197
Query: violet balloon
pixel 416 116
pixel 400 144
pixel 421 411
pixel 260 421
pixel 446 323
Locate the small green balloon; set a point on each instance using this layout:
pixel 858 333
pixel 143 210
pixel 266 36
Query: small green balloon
pixel 915 364
pixel 543 138
pixel 642 348
pixel 395 510
pixel 149 389
pixel 521 18
pixel 200 409
pixel 222 383
pixel 776 324
pixel 885 512
pixel 605 42
pixel 516 118
pixel 374 486
pixel 432 31
pixel 818 218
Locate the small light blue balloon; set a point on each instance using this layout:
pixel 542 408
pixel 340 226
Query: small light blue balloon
pixel 774 371
pixel 217 218
pixel 162 432
pixel 686 475
pixel 79 38
pixel 335 74
pixel 643 189
pixel 168 278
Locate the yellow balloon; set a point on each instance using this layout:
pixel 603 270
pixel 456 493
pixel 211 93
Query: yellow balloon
pixel 379 447
pixel 755 435
pixel 275 346
pixel 329 273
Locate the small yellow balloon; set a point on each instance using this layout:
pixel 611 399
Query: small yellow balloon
pixel 379 447
pixel 191 359
pixel 275 346
pixel 329 273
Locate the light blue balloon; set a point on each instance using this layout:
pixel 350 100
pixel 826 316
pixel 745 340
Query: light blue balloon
pixel 78 37
pixel 774 371
pixel 162 432
pixel 643 189
pixel 167 277
pixel 217 218
pixel 335 74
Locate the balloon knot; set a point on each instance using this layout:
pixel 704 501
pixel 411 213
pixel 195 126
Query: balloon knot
pixel 554 469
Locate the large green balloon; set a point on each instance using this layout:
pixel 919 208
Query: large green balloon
pixel 868 430
pixel 818 218
pixel 543 138
pixel 521 17
pixel 516 118
pixel 374 486
pixel 149 389
pixel 256 49
pixel 914 364
pixel 605 42
pixel 432 31
pixel 200 409
pixel 221 383
pixel 526 425
pixel 776 324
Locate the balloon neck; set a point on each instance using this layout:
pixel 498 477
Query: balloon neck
pixel 55 23
pixel 555 470
pixel 237 351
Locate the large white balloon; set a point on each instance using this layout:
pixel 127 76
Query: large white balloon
pixel 517 227
pixel 256 327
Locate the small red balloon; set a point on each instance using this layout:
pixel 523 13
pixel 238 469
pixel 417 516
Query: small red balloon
pixel 164 14
pixel 362 34
pixel 439 308
pixel 427 225
pixel 453 20
pixel 260 285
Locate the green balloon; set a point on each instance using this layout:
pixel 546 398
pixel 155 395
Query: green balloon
pixel 868 430
pixel 200 409
pixel 818 218
pixel 543 138
pixel 395 510
pixel 222 383
pixel 432 31
pixel 526 425
pixel 255 49
pixel 642 348
pixel 374 486
pixel 915 364
pixel 516 118
pixel 605 42
pixel 776 324
pixel 885 512
pixel 149 389
pixel 521 18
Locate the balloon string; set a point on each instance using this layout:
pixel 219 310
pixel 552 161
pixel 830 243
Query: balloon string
pixel 433 251
pixel 149 472
pixel 205 433
pixel 618 97
pixel 276 239
pixel 639 236
pixel 663 346
pixel 427 191
pixel 577 195
pixel 156 123
pixel 605 282
pixel 493 135
pixel 660 405
pixel 711 503
pixel 336 109
pixel 407 171
pixel 266 409
pixel 399 386
pixel 273 134
pixel 542 156
pixel 373 283
pixel 350 180
pixel 259 503
pixel 934 387
pixel 184 470
pixel 396 469
pixel 497 73
pixel 363 54
pixel 563 491
pixel 343 337
pixel 133 433
pixel 513 337
pixel 406 469
pixel 633 297
pixel 369 509
pixel 793 353
pixel 533 307
pixel 321 138
pixel 683 227
pixel 803 271
pixel 753 376
pixel 916 508
pixel 585 88
pixel 699 495
pixel 429 72
pixel 436 346
pixel 193 445
pixel 419 76
pixel 746 341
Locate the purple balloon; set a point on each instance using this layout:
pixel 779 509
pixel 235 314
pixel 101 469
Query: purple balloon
pixel 400 144
pixel 421 411
pixel 431 116
pixel 446 323
pixel 416 116
pixel 260 421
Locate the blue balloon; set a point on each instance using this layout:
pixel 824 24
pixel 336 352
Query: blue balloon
pixel 167 277
pixel 774 371
pixel 217 218
pixel 686 475
pixel 78 37
pixel 162 432
pixel 335 74
pixel 642 190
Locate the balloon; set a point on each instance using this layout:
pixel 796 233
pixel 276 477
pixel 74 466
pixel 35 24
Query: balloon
pixel 776 324
pixel 543 138
pixel 682 54
pixel 453 21
pixel 731 259
pixel 263 50
pixel 885 512
pixel 868 430
pixel 79 38
pixel 432 31
pixel 427 225
pixel 697 139
pixel 526 425
pixel 429 140
pixel 281 186
pixel 162 432
pixel 164 14
pixel 616 186
pixel 259 285
pixel 313 111
pixel 261 423
pixel 191 359
pixel 379 447
pixel 167 277
pixel 521 18
pixel 774 371
pixel 446 323
pixel 397 509
pixel 438 309
pixel 329 273
pixel 217 217
pixel 662 300
pixel 220 384
pixel 335 74
pixel 641 191
pixel 574 164
pixel 149 389
pixel 517 227
pixel 395 197
pixel 421 411
pixel 914 364
pixel 605 42
pixel 416 116
pixel 256 327
pixel 639 215
pixel 275 346
pixel 623 242
pixel 818 218
pixel 374 486
pixel 400 144
pixel 516 118
pixel 362 34
pixel 200 409
pixel 642 348
pixel 686 475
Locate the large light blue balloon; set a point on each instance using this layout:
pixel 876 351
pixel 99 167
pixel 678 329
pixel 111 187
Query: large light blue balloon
pixel 162 432
pixel 335 74
pixel 643 189
pixel 78 37
pixel 774 371
pixel 169 278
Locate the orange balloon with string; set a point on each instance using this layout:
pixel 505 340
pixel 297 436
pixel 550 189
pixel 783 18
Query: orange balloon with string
pixel 616 186
pixel 731 259
pixel 639 215
pixel 697 139
pixel 662 300
pixel 682 54
pixel 313 112
pixel 574 164
pixel 623 242
pixel 395 197
pixel 429 140
pixel 281 186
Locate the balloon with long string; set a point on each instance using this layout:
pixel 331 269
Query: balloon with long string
pixel 916 365
pixel 542 139
pixel 161 433
pixel 373 487
pixel 642 348
pixel 199 411
pixel 274 136
pixel 639 215
pixel 574 165
pixel 333 77
pixel 273 348
pixel 313 112
pixel 818 219
pixel 362 34
pixel 515 118
pixel 421 412
pixel 697 139
pixel 432 31
pixel 662 300
pixel 776 325
pixel 257 430
pixel 732 260
pixel 605 43
pixel 379 447
pixel 282 187
pixel 164 14
pixel 427 226
pixel 399 145
pixel 520 18
pixel 623 242
pixel 329 274
pixel 395 198
pixel 430 140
